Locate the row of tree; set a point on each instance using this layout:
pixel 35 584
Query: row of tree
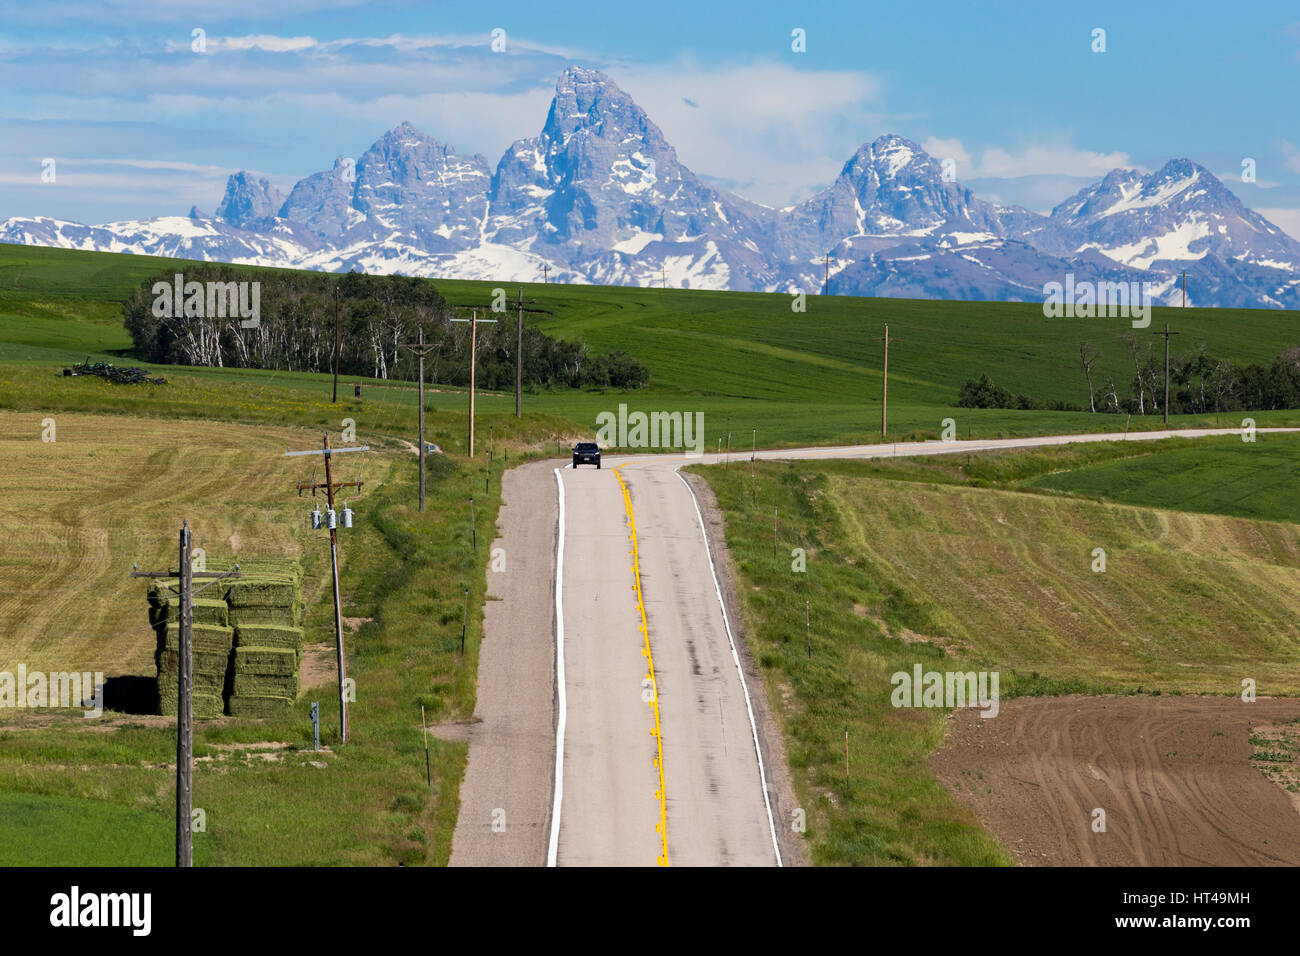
pixel 294 331
pixel 1198 382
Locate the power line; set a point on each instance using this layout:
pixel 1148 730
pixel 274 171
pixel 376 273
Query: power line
pixel 473 321
pixel 420 348
pixel 331 522
pixel 884 389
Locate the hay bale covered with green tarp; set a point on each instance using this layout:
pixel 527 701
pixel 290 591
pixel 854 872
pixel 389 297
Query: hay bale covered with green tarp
pixel 268 635
pixel 247 637
pixel 267 616
pixel 263 592
pixel 203 611
pixel 208 669
pixel 265 672
pixel 204 705
pixel 204 637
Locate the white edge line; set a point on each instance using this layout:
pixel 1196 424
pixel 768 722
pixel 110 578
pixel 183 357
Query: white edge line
pixel 735 656
pixel 553 849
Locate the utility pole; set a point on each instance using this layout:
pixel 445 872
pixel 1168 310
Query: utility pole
pixel 473 321
pixel 329 486
pixel 419 348
pixel 185 690
pixel 826 286
pixel 335 399
pixel 1166 333
pixel 1184 290
pixel 884 390
pixel 545 268
pixel 519 357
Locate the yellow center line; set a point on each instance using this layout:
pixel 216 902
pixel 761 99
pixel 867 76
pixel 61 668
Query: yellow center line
pixel 662 793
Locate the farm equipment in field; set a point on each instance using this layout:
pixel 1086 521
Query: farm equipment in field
pixel 121 374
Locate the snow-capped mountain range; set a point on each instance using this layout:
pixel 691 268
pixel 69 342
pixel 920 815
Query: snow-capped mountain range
pixel 600 196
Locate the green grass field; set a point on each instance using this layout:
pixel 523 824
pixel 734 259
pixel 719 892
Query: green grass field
pixel 1190 601
pixel 744 359
pixel 1223 476
pixel 58 831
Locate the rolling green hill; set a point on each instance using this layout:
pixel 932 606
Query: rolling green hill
pixel 744 359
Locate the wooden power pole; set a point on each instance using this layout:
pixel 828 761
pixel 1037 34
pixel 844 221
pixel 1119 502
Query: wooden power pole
pixel 884 388
pixel 519 357
pixel 1166 333
pixel 473 321
pixel 185 575
pixel 335 399
pixel 330 485
pixel 419 348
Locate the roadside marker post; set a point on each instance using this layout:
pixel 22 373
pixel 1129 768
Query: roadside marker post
pixel 807 614
pixel 428 774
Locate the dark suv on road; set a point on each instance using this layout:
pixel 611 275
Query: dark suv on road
pixel 586 453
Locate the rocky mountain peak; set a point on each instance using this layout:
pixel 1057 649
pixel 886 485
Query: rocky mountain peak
pixel 250 199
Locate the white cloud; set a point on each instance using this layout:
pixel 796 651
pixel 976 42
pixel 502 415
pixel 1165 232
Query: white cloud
pixel 1290 155
pixel 774 132
pixel 948 149
pixel 265 42
pixel 1288 220
pixel 1031 160
pixel 997 163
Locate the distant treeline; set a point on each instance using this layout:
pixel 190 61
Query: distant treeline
pixel 983 393
pixel 1199 383
pixel 293 330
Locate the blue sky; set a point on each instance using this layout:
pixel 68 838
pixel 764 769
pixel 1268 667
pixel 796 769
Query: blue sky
pixel 140 125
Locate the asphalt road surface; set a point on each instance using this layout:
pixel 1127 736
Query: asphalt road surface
pixel 597 799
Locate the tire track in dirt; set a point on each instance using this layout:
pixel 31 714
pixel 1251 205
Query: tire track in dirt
pixel 1174 775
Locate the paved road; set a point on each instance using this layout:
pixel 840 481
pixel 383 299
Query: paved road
pixel 722 806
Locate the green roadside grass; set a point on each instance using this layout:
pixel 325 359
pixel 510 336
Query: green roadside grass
pixel 57 831
pixel 965 564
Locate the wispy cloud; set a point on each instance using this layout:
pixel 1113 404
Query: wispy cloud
pixel 774 132
pixel 1290 155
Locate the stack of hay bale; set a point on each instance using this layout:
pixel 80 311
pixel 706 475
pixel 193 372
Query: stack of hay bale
pixel 247 641
pixel 266 614
pixel 213 641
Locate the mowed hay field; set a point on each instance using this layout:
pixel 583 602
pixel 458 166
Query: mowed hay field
pixel 112 490
pixel 1188 602
pixel 943 563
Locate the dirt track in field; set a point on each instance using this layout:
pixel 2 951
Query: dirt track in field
pixel 1173 774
